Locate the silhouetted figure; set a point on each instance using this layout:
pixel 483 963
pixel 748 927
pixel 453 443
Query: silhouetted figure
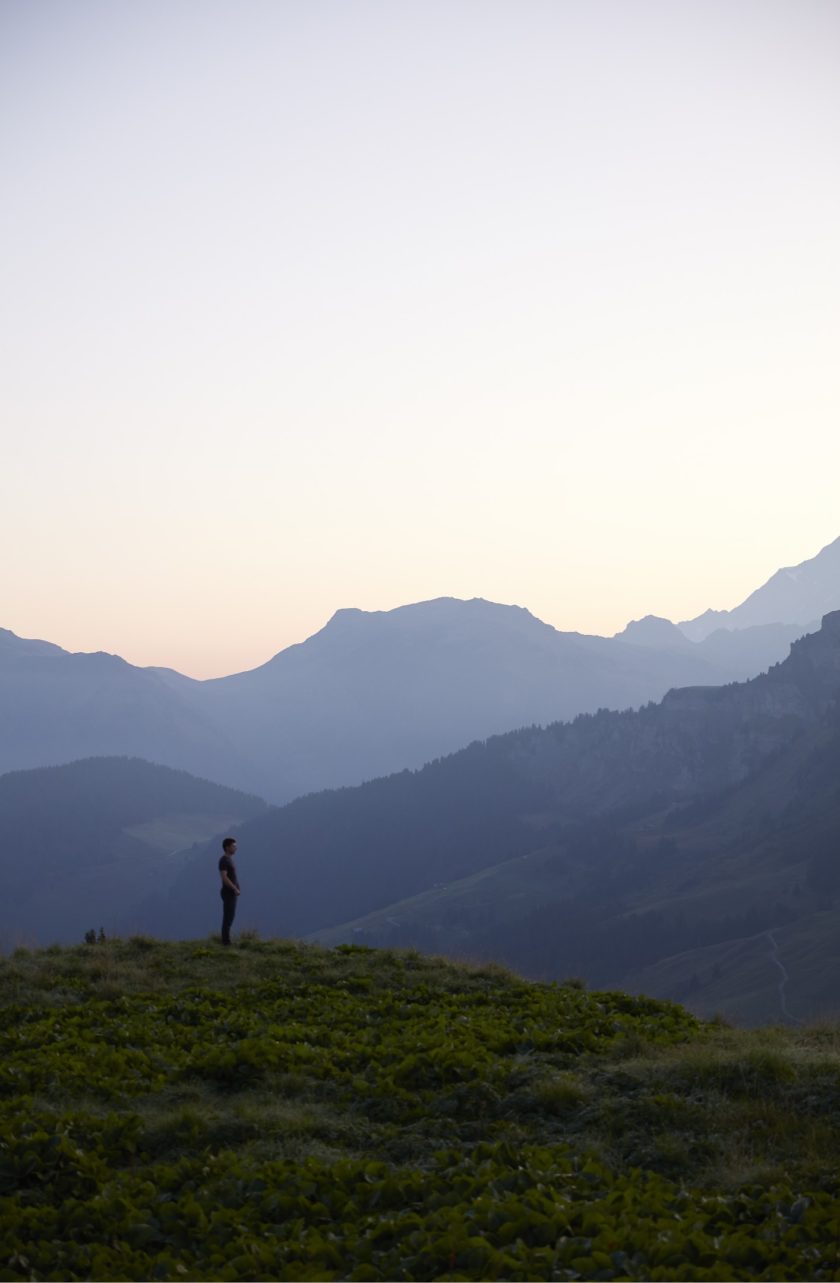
pixel 230 887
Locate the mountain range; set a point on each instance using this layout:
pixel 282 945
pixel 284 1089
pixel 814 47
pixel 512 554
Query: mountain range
pixel 57 707
pixel 375 692
pixel 620 846
pixel 687 848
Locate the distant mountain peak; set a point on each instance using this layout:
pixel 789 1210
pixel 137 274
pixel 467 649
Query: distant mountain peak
pixel 653 631
pixel 792 595
pixel 345 614
pixel 13 644
pixel 422 614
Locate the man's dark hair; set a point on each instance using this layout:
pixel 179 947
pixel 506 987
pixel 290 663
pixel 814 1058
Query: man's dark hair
pixel 228 843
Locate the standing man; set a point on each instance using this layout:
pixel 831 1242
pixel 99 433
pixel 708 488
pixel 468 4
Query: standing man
pixel 230 887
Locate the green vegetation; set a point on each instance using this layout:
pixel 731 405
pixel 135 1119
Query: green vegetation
pixel 280 1111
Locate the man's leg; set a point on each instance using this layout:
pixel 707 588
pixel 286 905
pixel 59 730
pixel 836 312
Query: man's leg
pixel 228 914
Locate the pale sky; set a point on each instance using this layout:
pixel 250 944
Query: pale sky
pixel 318 303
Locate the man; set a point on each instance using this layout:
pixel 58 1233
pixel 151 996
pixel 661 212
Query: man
pixel 230 887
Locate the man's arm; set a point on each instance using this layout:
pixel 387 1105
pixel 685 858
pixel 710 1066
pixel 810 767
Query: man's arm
pixel 226 882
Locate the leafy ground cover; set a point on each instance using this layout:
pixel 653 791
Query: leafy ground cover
pixel 280 1111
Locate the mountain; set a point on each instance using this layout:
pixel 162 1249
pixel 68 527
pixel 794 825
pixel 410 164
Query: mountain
pixel 734 654
pixel 57 707
pixel 655 632
pixel 368 694
pixel 89 840
pixel 793 595
pixel 594 847
pixel 373 692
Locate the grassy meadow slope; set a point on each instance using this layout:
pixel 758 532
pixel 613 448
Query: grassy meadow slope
pixel 280 1111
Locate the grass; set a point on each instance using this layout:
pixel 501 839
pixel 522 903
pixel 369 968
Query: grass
pixel 180 1110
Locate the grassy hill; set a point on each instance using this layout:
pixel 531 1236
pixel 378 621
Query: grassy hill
pixel 281 1111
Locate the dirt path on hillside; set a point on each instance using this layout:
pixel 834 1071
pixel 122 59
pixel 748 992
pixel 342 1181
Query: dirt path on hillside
pixel 774 957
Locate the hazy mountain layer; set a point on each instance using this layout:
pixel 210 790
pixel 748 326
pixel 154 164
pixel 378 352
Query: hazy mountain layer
pixel 369 694
pixel 736 653
pixel 373 692
pixel 57 707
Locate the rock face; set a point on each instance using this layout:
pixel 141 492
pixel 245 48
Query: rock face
pixel 818 654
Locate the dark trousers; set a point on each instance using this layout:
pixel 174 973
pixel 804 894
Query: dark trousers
pixel 228 914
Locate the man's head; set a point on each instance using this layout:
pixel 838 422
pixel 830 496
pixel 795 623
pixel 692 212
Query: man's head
pixel 229 846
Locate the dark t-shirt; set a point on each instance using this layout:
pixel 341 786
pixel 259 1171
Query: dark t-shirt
pixel 226 865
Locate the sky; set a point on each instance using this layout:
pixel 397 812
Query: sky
pixel 308 304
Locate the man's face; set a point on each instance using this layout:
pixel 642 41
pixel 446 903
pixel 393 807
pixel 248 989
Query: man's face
pixel 232 849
